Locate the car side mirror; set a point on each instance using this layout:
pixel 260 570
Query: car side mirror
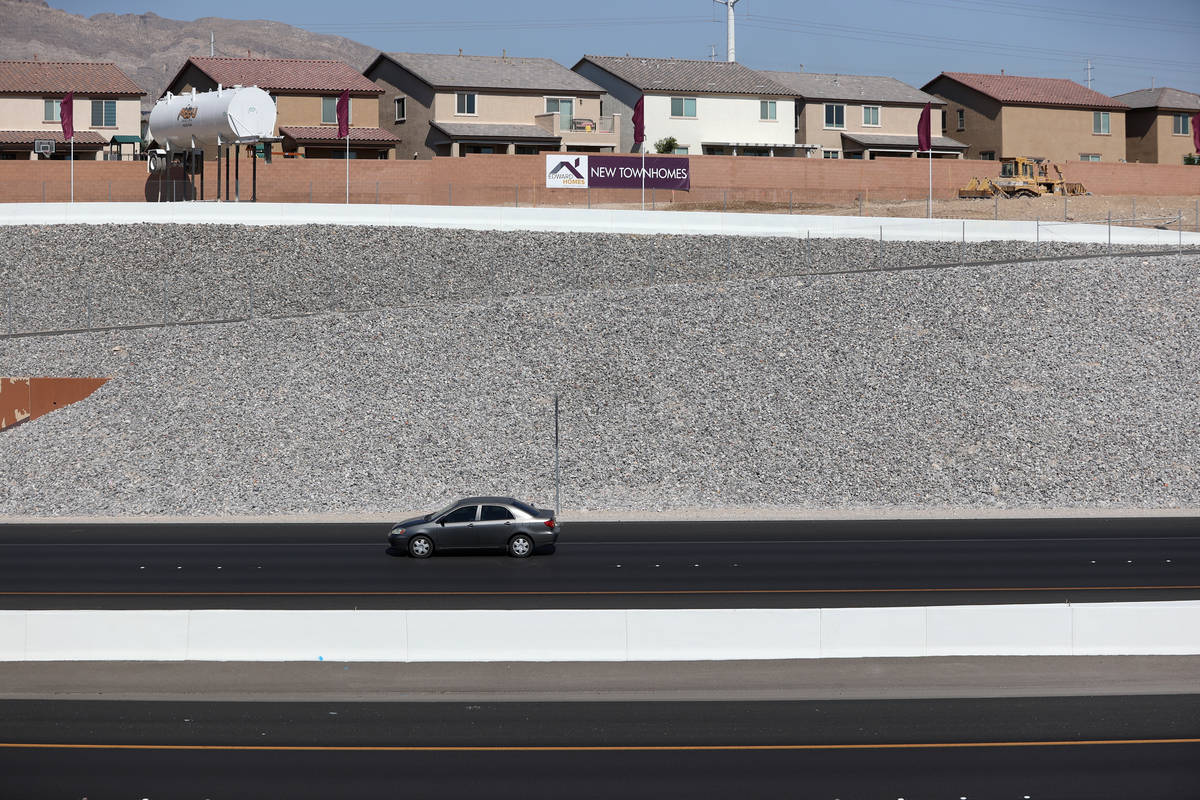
pixel 442 522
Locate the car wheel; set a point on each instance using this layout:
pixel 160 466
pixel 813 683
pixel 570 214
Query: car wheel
pixel 520 546
pixel 420 547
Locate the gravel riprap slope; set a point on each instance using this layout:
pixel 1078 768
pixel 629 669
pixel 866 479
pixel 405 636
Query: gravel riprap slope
pixel 85 276
pixel 1052 384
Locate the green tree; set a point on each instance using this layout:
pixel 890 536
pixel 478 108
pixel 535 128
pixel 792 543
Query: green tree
pixel 666 145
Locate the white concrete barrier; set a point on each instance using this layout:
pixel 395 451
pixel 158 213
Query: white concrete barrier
pixel 1166 628
pixel 588 220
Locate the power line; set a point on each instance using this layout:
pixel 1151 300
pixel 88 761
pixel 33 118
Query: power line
pixel 1007 8
pixel 947 43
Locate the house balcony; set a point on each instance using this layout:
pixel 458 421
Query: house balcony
pixel 583 133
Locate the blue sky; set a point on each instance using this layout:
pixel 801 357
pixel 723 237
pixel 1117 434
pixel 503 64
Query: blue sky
pixel 912 40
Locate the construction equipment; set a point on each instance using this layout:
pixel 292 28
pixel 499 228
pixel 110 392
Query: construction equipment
pixel 1023 177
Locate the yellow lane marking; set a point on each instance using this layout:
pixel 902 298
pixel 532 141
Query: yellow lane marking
pixel 581 748
pixel 538 593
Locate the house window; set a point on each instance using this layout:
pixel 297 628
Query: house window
pixel 683 107
pixel 988 155
pixel 401 104
pixel 104 113
pixel 565 108
pixel 680 151
pixel 1100 122
pixel 766 110
pixel 831 154
pixel 871 116
pixel 1181 127
pixel 52 111
pixel 465 103
pixel 1089 157
pixel 835 115
pixel 329 110
pixel 962 120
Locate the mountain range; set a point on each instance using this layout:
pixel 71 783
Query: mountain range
pixel 151 49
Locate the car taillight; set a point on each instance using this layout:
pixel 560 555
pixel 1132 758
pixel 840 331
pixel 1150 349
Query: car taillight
pixel 549 523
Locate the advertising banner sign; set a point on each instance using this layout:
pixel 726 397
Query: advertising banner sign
pixel 617 172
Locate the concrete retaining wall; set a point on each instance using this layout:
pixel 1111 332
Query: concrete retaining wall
pixel 1169 628
pixel 589 221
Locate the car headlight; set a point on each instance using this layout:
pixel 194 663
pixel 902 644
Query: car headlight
pixel 397 531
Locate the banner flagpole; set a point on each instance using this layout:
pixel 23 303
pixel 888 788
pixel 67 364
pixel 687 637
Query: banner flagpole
pixel 72 169
pixel 347 169
pixel 929 158
pixel 643 176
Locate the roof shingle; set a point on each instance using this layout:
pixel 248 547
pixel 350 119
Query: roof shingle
pixel 701 77
pixel 1032 91
pixel 1163 97
pixel 60 77
pixel 865 88
pixel 286 74
pixel 492 72
pixel 466 130
pixel 29 137
pixel 328 133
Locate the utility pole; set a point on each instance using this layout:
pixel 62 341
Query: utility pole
pixel 712 52
pixel 731 52
pixel 212 43
pixel 1089 73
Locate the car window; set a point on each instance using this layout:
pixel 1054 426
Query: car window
pixel 493 513
pixel 528 509
pixel 463 514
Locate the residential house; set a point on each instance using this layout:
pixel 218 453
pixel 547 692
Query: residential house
pixel 1000 116
pixel 709 107
pixel 305 92
pixel 861 116
pixel 107 109
pixel 1158 125
pixel 452 105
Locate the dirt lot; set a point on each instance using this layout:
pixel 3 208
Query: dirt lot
pixel 1142 211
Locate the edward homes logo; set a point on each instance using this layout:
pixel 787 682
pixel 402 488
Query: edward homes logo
pixel 566 173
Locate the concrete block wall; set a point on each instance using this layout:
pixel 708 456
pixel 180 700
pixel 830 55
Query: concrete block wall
pixel 508 180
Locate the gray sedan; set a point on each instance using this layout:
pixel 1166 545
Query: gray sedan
pixel 477 523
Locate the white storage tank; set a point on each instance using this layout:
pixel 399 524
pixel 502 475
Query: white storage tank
pixel 201 120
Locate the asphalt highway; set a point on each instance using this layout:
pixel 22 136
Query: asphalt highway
pixel 606 565
pixel 1093 748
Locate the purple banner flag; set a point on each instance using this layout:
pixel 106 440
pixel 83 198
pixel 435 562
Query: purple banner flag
pixel 66 114
pixel 343 114
pixel 924 139
pixel 1196 131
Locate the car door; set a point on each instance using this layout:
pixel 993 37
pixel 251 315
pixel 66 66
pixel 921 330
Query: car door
pixel 495 526
pixel 457 529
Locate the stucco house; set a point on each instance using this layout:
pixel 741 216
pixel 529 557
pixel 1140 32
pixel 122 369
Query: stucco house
pixel 709 107
pixel 452 105
pixel 107 107
pixel 1158 125
pixel 861 116
pixel 305 92
pixel 1000 116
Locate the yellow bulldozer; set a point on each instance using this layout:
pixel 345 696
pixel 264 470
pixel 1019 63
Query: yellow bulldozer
pixel 1022 177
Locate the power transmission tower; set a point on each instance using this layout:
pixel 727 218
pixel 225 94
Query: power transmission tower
pixel 731 52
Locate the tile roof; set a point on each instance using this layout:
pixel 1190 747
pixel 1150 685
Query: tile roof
pixel 1163 97
pixel 328 133
pixel 701 77
pixel 900 140
pixel 1032 91
pixel 60 77
pixel 286 74
pixel 28 137
pixel 866 88
pixel 491 72
pixel 466 130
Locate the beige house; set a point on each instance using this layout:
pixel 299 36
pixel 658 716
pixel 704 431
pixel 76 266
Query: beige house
pixel 1158 125
pixel 305 92
pixel 1001 116
pixel 107 106
pixel 861 116
pixel 452 105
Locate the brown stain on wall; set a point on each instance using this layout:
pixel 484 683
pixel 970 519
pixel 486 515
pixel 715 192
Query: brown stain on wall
pixel 26 399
